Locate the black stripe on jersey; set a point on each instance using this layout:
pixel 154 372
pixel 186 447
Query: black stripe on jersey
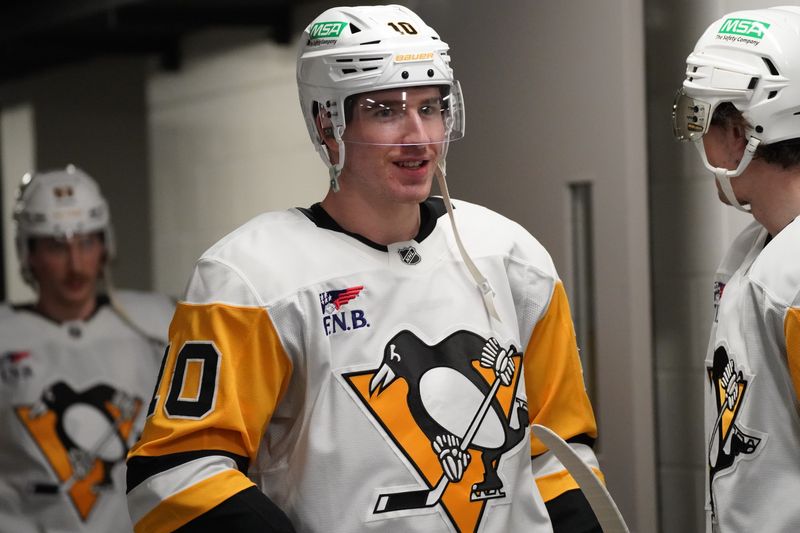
pixel 583 438
pixel 429 211
pixel 570 513
pixel 141 468
pixel 247 511
pixel 101 300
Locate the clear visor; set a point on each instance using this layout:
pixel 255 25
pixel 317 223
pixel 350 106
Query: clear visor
pixel 690 117
pixel 432 114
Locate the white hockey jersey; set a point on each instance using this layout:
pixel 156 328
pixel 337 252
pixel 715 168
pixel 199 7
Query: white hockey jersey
pixel 73 398
pixel 752 384
pixel 340 376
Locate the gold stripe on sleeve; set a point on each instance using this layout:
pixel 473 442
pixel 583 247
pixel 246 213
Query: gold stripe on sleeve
pixel 188 504
pixel 791 329
pixel 553 485
pixel 553 376
pixel 253 374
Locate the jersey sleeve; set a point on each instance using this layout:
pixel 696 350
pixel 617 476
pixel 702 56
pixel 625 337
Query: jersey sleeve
pixel 791 329
pixel 557 399
pixel 223 374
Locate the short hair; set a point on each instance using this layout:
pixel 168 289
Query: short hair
pixel 784 153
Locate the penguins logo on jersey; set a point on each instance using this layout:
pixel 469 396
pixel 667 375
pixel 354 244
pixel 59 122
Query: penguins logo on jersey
pixel 729 440
pixel 83 435
pixel 452 410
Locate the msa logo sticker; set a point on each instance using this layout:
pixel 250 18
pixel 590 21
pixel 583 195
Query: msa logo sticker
pixel 409 255
pixel 453 410
pixel 334 318
pixel 83 435
pixel 753 29
pixel 326 30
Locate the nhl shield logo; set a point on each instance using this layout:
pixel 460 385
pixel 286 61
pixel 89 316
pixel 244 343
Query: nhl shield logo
pixel 409 255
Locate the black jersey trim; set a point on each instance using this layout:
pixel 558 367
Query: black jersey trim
pixel 429 211
pixel 583 438
pixel 247 511
pixel 141 468
pixel 100 301
pixel 570 512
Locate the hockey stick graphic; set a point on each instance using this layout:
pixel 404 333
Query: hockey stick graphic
pixel 65 486
pixel 416 499
pixel 597 495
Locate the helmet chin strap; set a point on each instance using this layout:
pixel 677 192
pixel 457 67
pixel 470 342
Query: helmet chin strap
pixel 724 175
pixel 483 284
pixel 335 169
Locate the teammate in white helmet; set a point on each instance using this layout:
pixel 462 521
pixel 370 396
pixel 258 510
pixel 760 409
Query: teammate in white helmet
pixel 740 104
pixel 77 367
pixel 372 362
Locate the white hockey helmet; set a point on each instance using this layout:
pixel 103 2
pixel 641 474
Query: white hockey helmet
pixel 352 50
pixel 59 203
pixel 752 60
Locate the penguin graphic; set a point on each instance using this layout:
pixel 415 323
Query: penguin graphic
pixel 86 429
pixel 729 439
pixel 454 406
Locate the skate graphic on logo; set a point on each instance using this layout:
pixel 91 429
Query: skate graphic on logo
pixel 452 410
pixel 83 435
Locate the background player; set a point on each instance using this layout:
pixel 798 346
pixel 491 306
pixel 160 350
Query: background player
pixel 740 104
pixel 77 367
pixel 352 358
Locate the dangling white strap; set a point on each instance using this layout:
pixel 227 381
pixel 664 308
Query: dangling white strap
pixel 122 314
pixel 723 175
pixel 483 284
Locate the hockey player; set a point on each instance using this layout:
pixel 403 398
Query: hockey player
pixel 77 367
pixel 740 104
pixel 354 366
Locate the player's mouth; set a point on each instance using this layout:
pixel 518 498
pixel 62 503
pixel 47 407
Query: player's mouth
pixel 415 164
pixel 76 283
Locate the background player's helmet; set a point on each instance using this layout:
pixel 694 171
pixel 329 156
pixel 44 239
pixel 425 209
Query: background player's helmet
pixel 752 60
pixel 59 203
pixel 351 50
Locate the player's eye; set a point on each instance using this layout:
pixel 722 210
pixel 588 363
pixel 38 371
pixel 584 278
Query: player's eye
pixel 431 109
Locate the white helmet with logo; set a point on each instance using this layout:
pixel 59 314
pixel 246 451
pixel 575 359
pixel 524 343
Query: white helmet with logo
pixel 351 50
pixel 752 60
pixel 59 203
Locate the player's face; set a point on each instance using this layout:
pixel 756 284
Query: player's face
pixel 67 270
pixel 393 142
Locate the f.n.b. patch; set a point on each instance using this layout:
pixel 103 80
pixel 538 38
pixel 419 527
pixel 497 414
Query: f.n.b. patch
pixel 14 366
pixel 336 319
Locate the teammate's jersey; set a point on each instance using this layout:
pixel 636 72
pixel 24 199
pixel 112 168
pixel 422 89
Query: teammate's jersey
pixel 752 379
pixel 72 400
pixel 341 376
